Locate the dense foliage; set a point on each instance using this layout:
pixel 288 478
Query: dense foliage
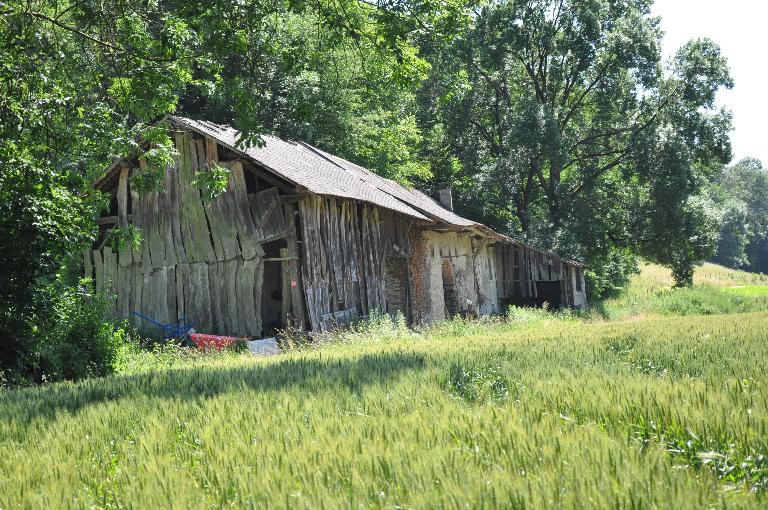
pixel 741 193
pixel 81 81
pixel 553 120
pixel 74 340
pixel 562 117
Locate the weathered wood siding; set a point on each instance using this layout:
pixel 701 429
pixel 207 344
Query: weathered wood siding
pixel 519 268
pixel 345 246
pixel 200 259
pixel 203 260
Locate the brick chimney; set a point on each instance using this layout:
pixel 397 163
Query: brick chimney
pixel 446 197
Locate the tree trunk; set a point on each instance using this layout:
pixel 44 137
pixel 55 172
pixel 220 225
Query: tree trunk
pixel 553 195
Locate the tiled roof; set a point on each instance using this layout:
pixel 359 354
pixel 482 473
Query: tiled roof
pixel 326 174
pixel 410 196
pixel 303 165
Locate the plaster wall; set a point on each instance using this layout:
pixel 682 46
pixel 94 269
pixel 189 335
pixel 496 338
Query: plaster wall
pixel 473 272
pixel 485 273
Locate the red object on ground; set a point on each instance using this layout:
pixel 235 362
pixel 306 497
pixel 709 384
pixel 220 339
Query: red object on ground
pixel 210 342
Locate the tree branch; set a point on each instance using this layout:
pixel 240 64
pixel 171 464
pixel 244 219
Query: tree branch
pixel 600 171
pixel 584 93
pixel 74 30
pixel 488 78
pixel 596 155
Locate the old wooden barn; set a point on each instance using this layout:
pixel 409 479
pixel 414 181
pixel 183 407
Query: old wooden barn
pixel 305 238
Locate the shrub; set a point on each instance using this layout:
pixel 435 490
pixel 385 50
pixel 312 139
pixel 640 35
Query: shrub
pixel 524 315
pixel 460 326
pixel 380 326
pixel 74 335
pixel 134 358
pixel 706 300
pixel 607 275
pixel 377 327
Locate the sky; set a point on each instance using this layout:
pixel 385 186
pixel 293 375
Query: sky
pixel 740 27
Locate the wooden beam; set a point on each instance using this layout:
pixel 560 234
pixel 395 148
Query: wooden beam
pixel 285 273
pixel 289 199
pixel 297 299
pixel 122 198
pixel 110 220
pixel 261 174
pixel 106 220
pixel 280 259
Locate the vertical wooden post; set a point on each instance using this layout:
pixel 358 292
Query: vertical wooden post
pixel 286 292
pixel 297 300
pixel 125 258
pixel 211 151
pixel 564 282
pixel 136 220
pixel 522 270
pixel 88 267
pixel 122 198
pixel 98 265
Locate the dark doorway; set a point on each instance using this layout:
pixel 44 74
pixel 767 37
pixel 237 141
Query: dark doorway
pixel 449 289
pixel 272 288
pixel 548 292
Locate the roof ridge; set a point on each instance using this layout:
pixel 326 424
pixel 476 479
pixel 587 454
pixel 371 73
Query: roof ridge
pixel 320 153
pixel 323 155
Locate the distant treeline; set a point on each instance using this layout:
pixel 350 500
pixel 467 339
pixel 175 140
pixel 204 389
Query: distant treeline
pixel 741 193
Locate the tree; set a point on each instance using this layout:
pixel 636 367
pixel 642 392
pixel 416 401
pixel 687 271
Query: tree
pixel 552 118
pixel 734 235
pixel 547 104
pixel 741 193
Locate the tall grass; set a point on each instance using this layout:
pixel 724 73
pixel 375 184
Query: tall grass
pixel 134 357
pixel 556 413
pixel 716 290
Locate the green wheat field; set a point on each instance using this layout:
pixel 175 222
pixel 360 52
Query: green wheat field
pixel 646 409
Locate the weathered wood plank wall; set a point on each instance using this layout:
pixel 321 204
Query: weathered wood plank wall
pixel 345 245
pixel 519 267
pixel 297 296
pixel 201 259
